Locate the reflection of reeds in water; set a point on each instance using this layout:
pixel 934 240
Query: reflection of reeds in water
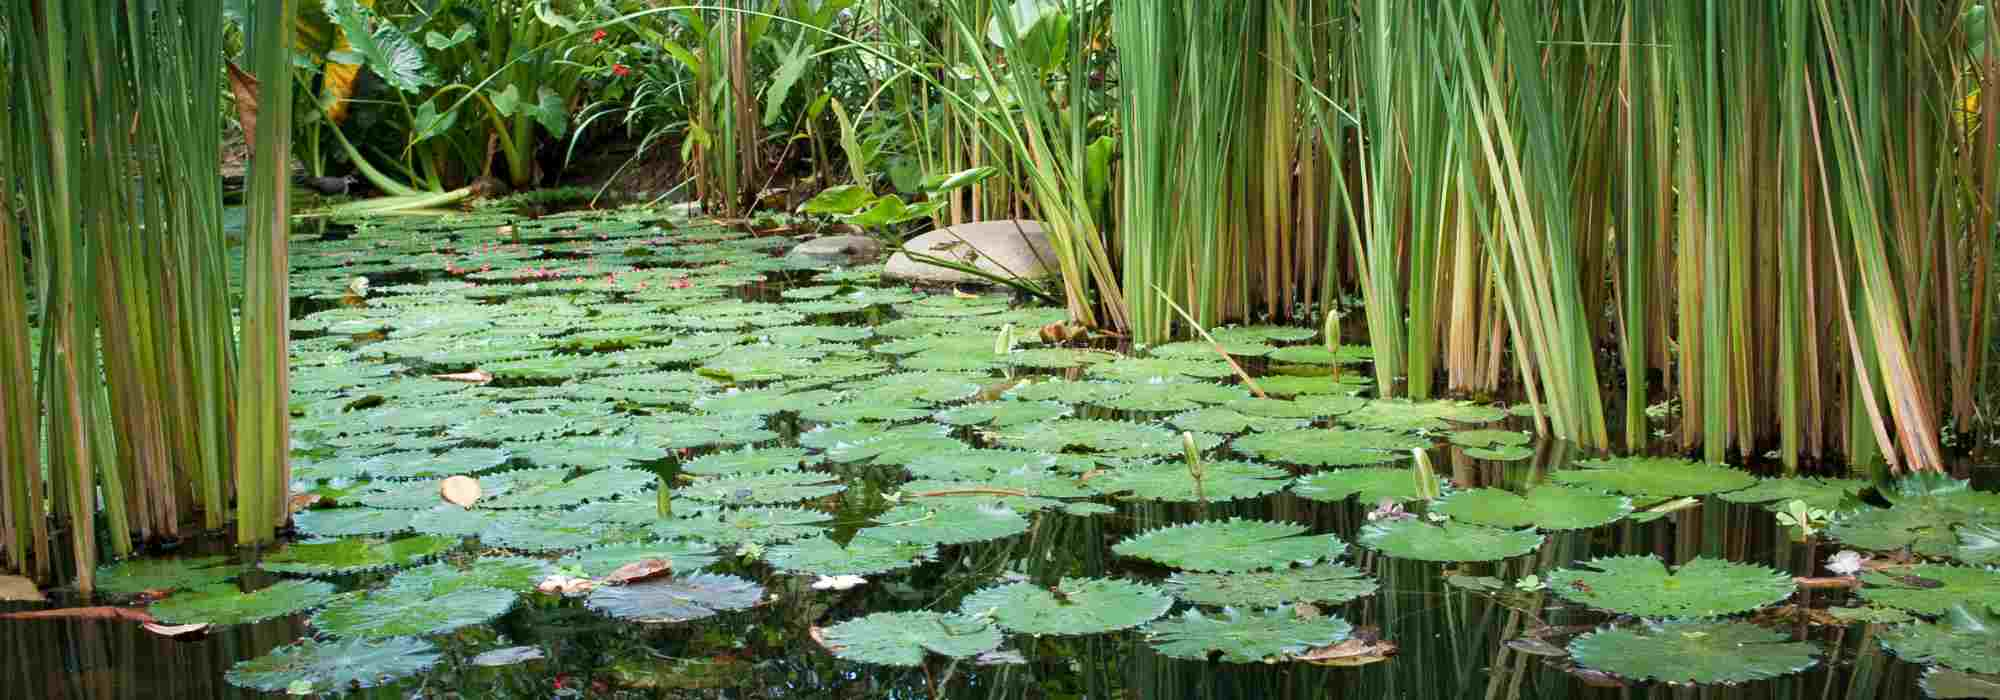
pixel 103 660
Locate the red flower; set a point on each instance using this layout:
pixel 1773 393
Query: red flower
pixel 599 36
pixel 620 70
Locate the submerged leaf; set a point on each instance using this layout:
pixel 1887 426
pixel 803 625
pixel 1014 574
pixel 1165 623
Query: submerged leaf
pixel 1693 651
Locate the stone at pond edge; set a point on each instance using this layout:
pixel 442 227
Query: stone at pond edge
pixel 836 250
pixel 1018 249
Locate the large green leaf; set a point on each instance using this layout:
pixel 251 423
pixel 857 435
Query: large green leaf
pixel 315 666
pixel 1411 538
pixel 956 523
pixel 1931 589
pixel 1329 448
pixel 223 604
pixel 1656 477
pixel 1372 484
pixel 344 522
pixel 1967 639
pixel 1693 651
pixel 1171 481
pixel 136 576
pixel 1232 545
pixel 1241 637
pixel 1073 606
pixel 1549 507
pixel 1643 586
pixel 677 599
pixel 863 555
pixel 683 556
pixel 902 638
pixel 1327 583
pixel 746 525
pixel 1818 493
pixel 1419 416
pixel 352 555
pixel 775 487
pixel 403 611
pixel 379 45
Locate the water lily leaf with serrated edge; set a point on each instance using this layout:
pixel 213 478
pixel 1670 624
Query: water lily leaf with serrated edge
pixel 1329 583
pixel 920 387
pixel 505 573
pixel 1978 545
pixel 1693 651
pixel 1656 477
pixel 393 612
pixel 1242 637
pixel 1941 587
pixel 674 431
pixel 1142 370
pixel 1318 406
pixel 1419 416
pixel 761 402
pixel 1216 419
pixel 333 666
pixel 677 599
pixel 1412 538
pixel 351 555
pixel 683 556
pixel 775 487
pixel 135 576
pixel 1075 606
pixel 851 411
pixel 452 521
pixel 1489 438
pixel 1173 396
pixel 946 524
pixel 1941 682
pixel 1924 510
pixel 1643 586
pixel 1064 391
pixel 1231 545
pixel 1317 355
pixel 222 604
pixel 1090 434
pixel 1504 453
pixel 902 638
pixel 600 485
pixel 979 464
pixel 590 451
pixel 1372 484
pixel 1170 481
pixel 343 522
pixel 746 526
pixel 1818 493
pixel 1057 358
pixel 1003 414
pixel 1967 639
pixel 536 531
pixel 746 461
pixel 1263 333
pixel 1329 448
pixel 862 556
pixel 1549 507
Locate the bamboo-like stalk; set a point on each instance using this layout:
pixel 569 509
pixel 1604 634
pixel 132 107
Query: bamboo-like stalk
pixel 262 442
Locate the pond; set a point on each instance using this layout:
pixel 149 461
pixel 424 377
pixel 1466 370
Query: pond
pixel 874 490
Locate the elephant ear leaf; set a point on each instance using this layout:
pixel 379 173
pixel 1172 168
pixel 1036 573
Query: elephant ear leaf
pixel 506 101
pixel 382 47
pixel 788 74
pixel 549 111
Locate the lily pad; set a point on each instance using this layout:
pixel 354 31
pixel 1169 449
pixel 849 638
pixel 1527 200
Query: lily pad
pixel 1420 416
pixel 1931 589
pixel 1171 481
pixel 746 461
pixel 746 526
pixel 902 638
pixel 1489 438
pixel 343 522
pixel 946 524
pixel 1643 586
pixel 222 604
pixel 1242 637
pixel 1073 606
pixel 1967 639
pixel 1412 538
pixel 1656 477
pixel 677 599
pixel 1693 651
pixel 1821 494
pixel 333 666
pixel 1923 512
pixel 396 612
pixel 1329 448
pixel 682 556
pixel 775 487
pixel 136 576
pixel 1232 545
pixel 353 555
pixel 1327 583
pixel 1064 391
pixel 1372 484
pixel 1549 507
pixel 1978 545
pixel 1002 414
pixel 863 555
pixel 518 574
pixel 1141 370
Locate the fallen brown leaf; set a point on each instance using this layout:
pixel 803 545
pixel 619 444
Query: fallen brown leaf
pixel 302 501
pixel 18 589
pixel 639 571
pixel 472 377
pixel 176 631
pixel 1353 652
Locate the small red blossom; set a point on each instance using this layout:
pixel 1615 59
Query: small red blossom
pixel 599 36
pixel 620 70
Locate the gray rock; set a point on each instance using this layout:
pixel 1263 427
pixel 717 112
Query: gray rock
pixel 1016 249
pixel 837 250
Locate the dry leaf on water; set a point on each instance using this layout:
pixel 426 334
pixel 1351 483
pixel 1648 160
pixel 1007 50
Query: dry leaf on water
pixel 461 490
pixel 177 631
pixel 1353 652
pixel 565 585
pixel 639 571
pixel 15 588
pixel 472 377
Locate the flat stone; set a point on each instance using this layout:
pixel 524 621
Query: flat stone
pixel 1010 249
pixel 837 250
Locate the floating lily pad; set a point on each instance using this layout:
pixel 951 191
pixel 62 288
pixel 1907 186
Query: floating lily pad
pixel 677 599
pixel 343 522
pixel 1173 396
pixel 1326 583
pixel 1416 416
pixel 506 573
pixel 396 612
pixel 1243 637
pixel 1001 414
pixel 746 526
pixel 680 430
pixel 1941 682
pixel 1411 538
pixel 1549 507
pixel 1063 391
pixel 682 556
pixel 1074 606
pixel 1329 448
pixel 1089 434
pixel 1967 639
pixel 974 465
pixel 775 487
pixel 1503 453
pixel 1822 494
pixel 1301 407
pixel 902 638
pixel 534 531
pixel 946 524
pixel 746 461
pixel 1140 370
pixel 333 666
pixel 1931 589
pixel 1978 545
pixel 1372 484
pixel 1171 481
pixel 136 576
pixel 1693 651
pixel 862 556
pixel 1923 512
pixel 222 604
pixel 352 555
pixel 1656 477
pixel 1643 586
pixel 1204 350
pixel 852 411
pixel 1232 545
pixel 448 520
pixel 1489 438
pixel 1312 385
pixel 1058 358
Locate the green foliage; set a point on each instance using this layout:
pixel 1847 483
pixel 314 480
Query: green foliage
pixel 1412 538
pixel 746 526
pixel 1231 546
pixel 333 666
pixel 222 604
pixel 677 599
pixel 1693 651
pixel 1818 493
pixel 1420 416
pixel 1932 589
pixel 946 524
pixel 1171 481
pixel 1967 639
pixel 902 638
pixel 1549 507
pixel 136 576
pixel 1328 448
pixel 1372 484
pixel 683 556
pixel 1242 637
pixel 1073 606
pixel 861 556
pixel 775 487
pixel 344 522
pixel 1656 477
pixel 403 611
pixel 1325 583
pixel 351 555
pixel 1644 586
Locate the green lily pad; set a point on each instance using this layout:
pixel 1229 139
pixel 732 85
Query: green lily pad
pixel 1931 589
pixel 1504 453
pixel 1643 586
pixel 746 526
pixel 1372 484
pixel 1923 512
pixel 946 524
pixel 1941 682
pixel 902 638
pixel 1204 350
pixel 1967 639
pixel 506 573
pixel 1312 385
pixel 1171 481
pixel 136 576
pixel 1074 606
pixel 552 490
pixel 975 465
pixel 681 430
pixel 222 604
pixel 1173 396
pixel 746 461
pixel 1064 391
pixel 1693 651
pixel 852 411
pixel 351 555
pixel 1978 545
pixel 1419 416
pixel 1656 477
pixel 1217 419
pixel 862 556
pixel 775 487
pixel 534 531
pixel 1058 358
pixel 683 556
pixel 1549 507
pixel 1302 407
pixel 333 666
pixel 396 612
pixel 1241 637
pixel 1489 438
pixel 1002 414
pixel 1329 448
pixel 1090 434
pixel 1232 545
pixel 448 520
pixel 916 387
pixel 1142 370
pixel 1327 583
pixel 1411 538
pixel 1818 493
pixel 677 599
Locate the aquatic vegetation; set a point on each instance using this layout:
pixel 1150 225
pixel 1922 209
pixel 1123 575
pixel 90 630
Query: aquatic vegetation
pixel 746 461
pixel 682 555
pixel 136 576
pixel 351 555
pixel 314 665
pixel 1932 589
pixel 1924 515
pixel 1329 583
pixel 1073 606
pixel 1412 538
pixel 1238 636
pixel 1824 494
pixel 1548 507
pixel 502 572
pixel 1967 639
pixel 1655 477
pixel 1232 545
pixel 1371 484
pixel 1002 414
pixel 224 604
pixel 409 611
pixel 1420 416
pixel 676 599
pixel 345 522
pixel 1223 480
pixel 945 524
pixel 1329 448
pixel 1644 586
pixel 1693 651
pixel 740 526
pixel 903 638
pixel 860 556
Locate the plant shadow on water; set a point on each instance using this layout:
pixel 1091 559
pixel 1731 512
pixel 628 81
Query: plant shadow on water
pixel 1083 534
